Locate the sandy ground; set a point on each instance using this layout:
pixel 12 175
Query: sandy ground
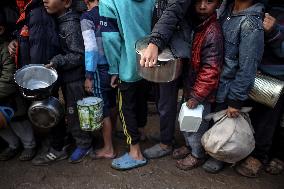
pixel 97 174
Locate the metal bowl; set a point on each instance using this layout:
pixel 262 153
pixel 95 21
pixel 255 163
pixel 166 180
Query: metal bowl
pixel 35 81
pixel 167 68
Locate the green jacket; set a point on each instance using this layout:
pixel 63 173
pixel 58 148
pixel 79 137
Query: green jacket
pixel 7 70
pixel 8 89
pixel 123 22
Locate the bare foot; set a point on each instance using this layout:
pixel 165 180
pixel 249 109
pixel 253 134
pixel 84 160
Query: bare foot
pixel 104 153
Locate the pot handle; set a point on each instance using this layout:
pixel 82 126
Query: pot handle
pixel 28 96
pixel 8 112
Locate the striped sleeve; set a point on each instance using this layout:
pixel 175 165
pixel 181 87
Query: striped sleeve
pixel 91 46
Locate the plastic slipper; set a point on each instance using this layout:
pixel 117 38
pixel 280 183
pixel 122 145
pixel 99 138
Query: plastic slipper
pixel 213 166
pixel 126 162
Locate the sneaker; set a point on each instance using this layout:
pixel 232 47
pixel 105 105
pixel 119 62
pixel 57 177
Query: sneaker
pixel 79 154
pixel 8 154
pixel 28 154
pixel 50 157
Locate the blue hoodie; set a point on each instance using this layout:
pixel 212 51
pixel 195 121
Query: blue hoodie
pixel 123 23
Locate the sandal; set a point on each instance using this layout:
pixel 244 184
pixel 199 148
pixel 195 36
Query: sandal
pixel 249 168
pixel 275 167
pixel 181 152
pixel 28 154
pixel 188 163
pixel 126 162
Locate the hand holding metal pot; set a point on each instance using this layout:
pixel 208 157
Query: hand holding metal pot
pixel 154 66
pixel 149 56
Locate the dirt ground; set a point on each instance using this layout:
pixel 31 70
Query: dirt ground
pixel 97 174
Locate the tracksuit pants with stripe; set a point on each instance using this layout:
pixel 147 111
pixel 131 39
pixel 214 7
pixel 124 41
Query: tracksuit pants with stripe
pixel 133 108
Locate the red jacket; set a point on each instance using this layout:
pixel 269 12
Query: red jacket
pixel 203 72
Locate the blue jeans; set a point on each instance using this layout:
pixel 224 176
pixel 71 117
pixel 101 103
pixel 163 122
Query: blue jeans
pixel 193 139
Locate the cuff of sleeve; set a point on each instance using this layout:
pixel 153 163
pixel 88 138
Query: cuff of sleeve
pixel 235 103
pixel 89 75
pixel 196 97
pixel 158 42
pixel 274 34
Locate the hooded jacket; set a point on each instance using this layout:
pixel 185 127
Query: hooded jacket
pixel 173 29
pixel 273 57
pixel 70 62
pixel 244 44
pixel 123 23
pixel 36 35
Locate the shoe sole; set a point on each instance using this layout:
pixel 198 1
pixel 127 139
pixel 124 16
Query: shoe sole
pixel 51 162
pixel 80 160
pixel 127 169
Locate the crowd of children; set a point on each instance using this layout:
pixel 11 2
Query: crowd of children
pixel 222 45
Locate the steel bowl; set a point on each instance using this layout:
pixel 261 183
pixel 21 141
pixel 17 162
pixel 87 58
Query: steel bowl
pixel 167 69
pixel 35 81
pixel 46 113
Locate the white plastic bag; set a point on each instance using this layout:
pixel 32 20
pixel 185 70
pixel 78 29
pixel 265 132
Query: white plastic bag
pixel 230 139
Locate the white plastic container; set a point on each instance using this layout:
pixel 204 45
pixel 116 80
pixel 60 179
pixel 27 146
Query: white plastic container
pixel 190 119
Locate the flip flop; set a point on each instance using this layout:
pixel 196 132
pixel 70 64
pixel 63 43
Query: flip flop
pixel 126 162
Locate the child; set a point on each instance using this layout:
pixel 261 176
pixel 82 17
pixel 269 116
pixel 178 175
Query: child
pixel 266 125
pixel 203 76
pixel 123 23
pixel 172 30
pixel 36 39
pixel 20 129
pixel 70 65
pixel 244 44
pixel 97 78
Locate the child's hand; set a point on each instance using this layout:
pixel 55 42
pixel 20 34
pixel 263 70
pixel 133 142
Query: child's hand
pixel 192 103
pixel 114 81
pixel 89 86
pixel 50 65
pixel 269 23
pixel 12 47
pixel 150 56
pixel 233 112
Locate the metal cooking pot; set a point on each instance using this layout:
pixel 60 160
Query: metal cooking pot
pixel 167 68
pixel 46 113
pixel 36 81
pixel 266 90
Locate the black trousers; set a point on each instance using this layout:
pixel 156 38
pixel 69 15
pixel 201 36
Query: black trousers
pixel 133 108
pixel 72 92
pixel 167 107
pixel 265 120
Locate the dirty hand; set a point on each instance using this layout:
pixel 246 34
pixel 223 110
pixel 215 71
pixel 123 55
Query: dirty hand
pixel 233 112
pixel 149 56
pixel 12 47
pixel 50 65
pixel 269 23
pixel 89 86
pixel 192 103
pixel 114 81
